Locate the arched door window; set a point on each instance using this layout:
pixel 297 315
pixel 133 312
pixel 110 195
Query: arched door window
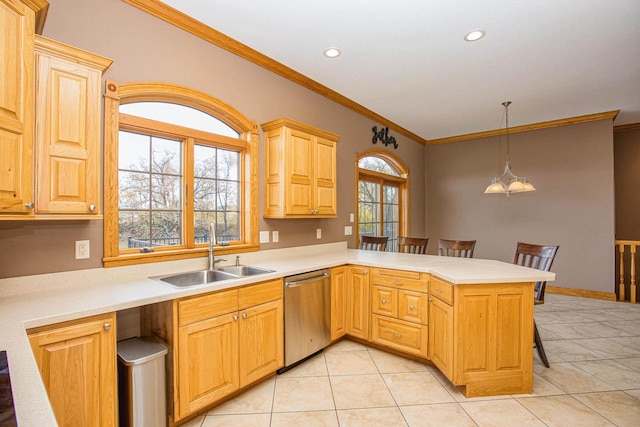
pixel 382 196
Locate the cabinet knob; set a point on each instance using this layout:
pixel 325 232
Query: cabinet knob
pixel 365 272
pixel 438 290
pixel 397 335
pixel 235 317
pixel 107 326
pixel 29 205
pixel 384 301
pixel 411 307
pixel 397 283
pixel 244 315
pixel 92 208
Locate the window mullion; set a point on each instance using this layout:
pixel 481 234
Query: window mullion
pixel 188 190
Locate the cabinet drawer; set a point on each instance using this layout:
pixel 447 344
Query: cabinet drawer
pixel 260 293
pixel 441 290
pixel 384 301
pixel 400 279
pixel 206 306
pixel 403 336
pixel 412 306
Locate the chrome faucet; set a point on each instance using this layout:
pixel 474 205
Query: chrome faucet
pixel 212 243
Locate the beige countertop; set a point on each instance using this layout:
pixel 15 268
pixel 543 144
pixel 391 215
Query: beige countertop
pixel 31 301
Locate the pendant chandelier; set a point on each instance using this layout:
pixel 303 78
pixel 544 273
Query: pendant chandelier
pixel 508 183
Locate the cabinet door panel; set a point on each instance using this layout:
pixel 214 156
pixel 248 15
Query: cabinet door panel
pixel 441 336
pixel 261 341
pixel 325 176
pixel 412 306
pixel 358 314
pixel 207 362
pixel 384 301
pixel 338 302
pixel 77 365
pixel 299 189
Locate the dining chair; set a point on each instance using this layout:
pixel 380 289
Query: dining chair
pixel 413 245
pixel 373 243
pixel 456 248
pixel 540 257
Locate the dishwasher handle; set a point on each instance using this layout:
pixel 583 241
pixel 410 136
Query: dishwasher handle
pixel 303 281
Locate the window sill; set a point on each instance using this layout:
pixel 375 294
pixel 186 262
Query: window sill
pixel 173 255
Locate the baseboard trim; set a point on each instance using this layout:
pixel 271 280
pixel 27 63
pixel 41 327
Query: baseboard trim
pixel 609 296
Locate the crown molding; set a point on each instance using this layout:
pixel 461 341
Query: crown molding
pixel 623 128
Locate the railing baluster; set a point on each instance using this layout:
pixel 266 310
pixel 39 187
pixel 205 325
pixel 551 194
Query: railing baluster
pixel 632 287
pixel 621 247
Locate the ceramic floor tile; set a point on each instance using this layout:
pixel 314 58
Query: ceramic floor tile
pixel 306 419
pixel 390 363
pixel 416 388
pixel 314 367
pixel 371 417
pixel 350 363
pixel 345 345
pixel 569 351
pixel 563 411
pixel 571 379
pixel 360 391
pixel 634 393
pixel 632 342
pixel 616 374
pixel 632 362
pixel 196 422
pixel 609 348
pixel 616 406
pixel 302 394
pixel 443 414
pixel 244 420
pixel 500 413
pixel 258 399
pixel 541 387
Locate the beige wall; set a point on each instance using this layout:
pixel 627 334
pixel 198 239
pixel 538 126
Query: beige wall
pixel 573 207
pixel 146 49
pixel 627 176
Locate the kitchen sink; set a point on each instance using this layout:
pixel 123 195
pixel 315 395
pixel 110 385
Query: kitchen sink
pixel 194 278
pixel 244 270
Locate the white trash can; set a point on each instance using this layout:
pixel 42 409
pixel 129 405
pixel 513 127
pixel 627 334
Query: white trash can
pixel 141 382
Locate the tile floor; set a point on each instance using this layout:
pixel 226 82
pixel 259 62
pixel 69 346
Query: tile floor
pixel 593 347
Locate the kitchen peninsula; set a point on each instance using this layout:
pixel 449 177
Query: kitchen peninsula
pixel 482 309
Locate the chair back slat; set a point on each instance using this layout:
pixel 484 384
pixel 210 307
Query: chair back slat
pixel 539 257
pixel 413 245
pixel 456 248
pixel 373 243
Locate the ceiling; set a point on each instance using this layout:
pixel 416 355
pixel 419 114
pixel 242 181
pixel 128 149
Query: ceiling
pixel 406 60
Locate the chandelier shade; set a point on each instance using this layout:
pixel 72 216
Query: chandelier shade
pixel 509 182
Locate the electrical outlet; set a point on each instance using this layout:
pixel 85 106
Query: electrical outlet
pixel 264 237
pixel 82 249
pixel 275 237
pixel 348 231
pixel 318 233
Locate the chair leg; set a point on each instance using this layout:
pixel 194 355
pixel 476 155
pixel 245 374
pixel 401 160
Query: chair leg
pixel 539 347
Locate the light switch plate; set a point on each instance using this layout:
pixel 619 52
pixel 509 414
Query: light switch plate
pixel 318 233
pixel 348 230
pixel 275 237
pixel 264 237
pixel 350 217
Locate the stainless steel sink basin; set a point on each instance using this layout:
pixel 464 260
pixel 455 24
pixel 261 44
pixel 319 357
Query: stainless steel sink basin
pixel 194 278
pixel 244 270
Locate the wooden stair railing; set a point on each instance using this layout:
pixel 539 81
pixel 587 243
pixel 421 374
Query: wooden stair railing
pixel 629 260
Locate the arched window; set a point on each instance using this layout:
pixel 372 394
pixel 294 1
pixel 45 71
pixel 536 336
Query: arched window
pixel 176 161
pixel 383 182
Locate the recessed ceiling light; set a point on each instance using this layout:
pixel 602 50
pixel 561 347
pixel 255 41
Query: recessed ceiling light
pixel 332 52
pixel 474 35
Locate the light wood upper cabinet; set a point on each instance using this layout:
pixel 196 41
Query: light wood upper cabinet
pixel 77 362
pixel 17 26
pixel 300 171
pixel 67 135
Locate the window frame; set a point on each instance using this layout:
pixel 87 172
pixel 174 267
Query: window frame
pixel 247 143
pixel 401 182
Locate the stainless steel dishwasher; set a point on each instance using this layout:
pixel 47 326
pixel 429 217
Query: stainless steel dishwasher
pixel 307 315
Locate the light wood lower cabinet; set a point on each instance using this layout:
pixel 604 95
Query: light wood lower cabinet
pixel 358 312
pixel 77 362
pixel 399 310
pixel 480 336
pixel 219 342
pixel 338 302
